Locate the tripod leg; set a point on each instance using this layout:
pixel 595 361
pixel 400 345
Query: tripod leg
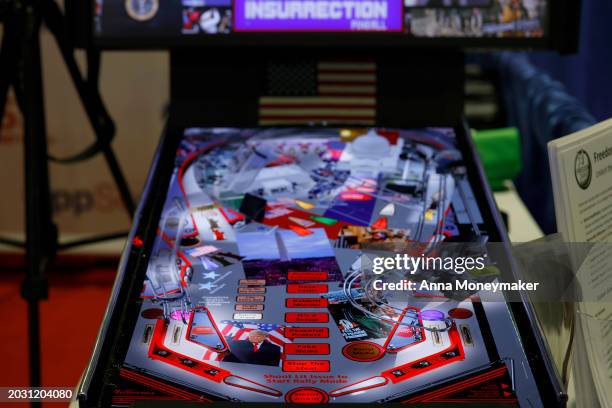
pixel 41 234
pixel 90 98
pixel 93 69
pixel 122 186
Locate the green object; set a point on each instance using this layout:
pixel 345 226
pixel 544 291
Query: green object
pixel 232 202
pixel 500 153
pixel 323 220
pixel 489 270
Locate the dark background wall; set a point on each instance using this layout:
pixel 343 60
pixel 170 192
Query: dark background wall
pixel 587 75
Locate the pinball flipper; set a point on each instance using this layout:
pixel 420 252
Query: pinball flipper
pixel 245 384
pixel 367 384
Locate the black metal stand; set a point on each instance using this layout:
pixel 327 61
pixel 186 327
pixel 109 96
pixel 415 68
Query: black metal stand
pixel 20 67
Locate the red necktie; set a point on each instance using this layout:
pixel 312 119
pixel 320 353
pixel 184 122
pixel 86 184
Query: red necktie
pixel 255 347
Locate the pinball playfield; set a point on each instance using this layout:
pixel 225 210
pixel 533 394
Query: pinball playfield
pixel 256 288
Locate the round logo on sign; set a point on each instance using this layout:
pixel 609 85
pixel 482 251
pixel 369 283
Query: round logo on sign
pixel 141 10
pixel 363 351
pixel 583 169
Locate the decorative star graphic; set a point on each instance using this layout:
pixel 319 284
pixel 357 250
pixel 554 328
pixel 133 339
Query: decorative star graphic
pixel 210 275
pixel 206 286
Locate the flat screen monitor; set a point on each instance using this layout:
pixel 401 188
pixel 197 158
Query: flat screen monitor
pixel 158 23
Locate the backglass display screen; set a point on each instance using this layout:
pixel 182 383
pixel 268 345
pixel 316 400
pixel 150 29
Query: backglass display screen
pixel 416 19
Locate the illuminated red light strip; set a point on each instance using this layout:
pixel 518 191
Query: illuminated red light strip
pixel 307 275
pixel 307 288
pixel 302 303
pixel 470 382
pixel 306 366
pixel 158 385
pixel 307 332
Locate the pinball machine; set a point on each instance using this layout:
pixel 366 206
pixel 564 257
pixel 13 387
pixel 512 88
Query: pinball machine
pixel 302 136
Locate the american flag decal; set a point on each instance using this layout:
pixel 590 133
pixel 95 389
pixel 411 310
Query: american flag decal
pixel 237 330
pixel 332 92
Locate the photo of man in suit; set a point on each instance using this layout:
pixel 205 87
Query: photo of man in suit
pixel 257 349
